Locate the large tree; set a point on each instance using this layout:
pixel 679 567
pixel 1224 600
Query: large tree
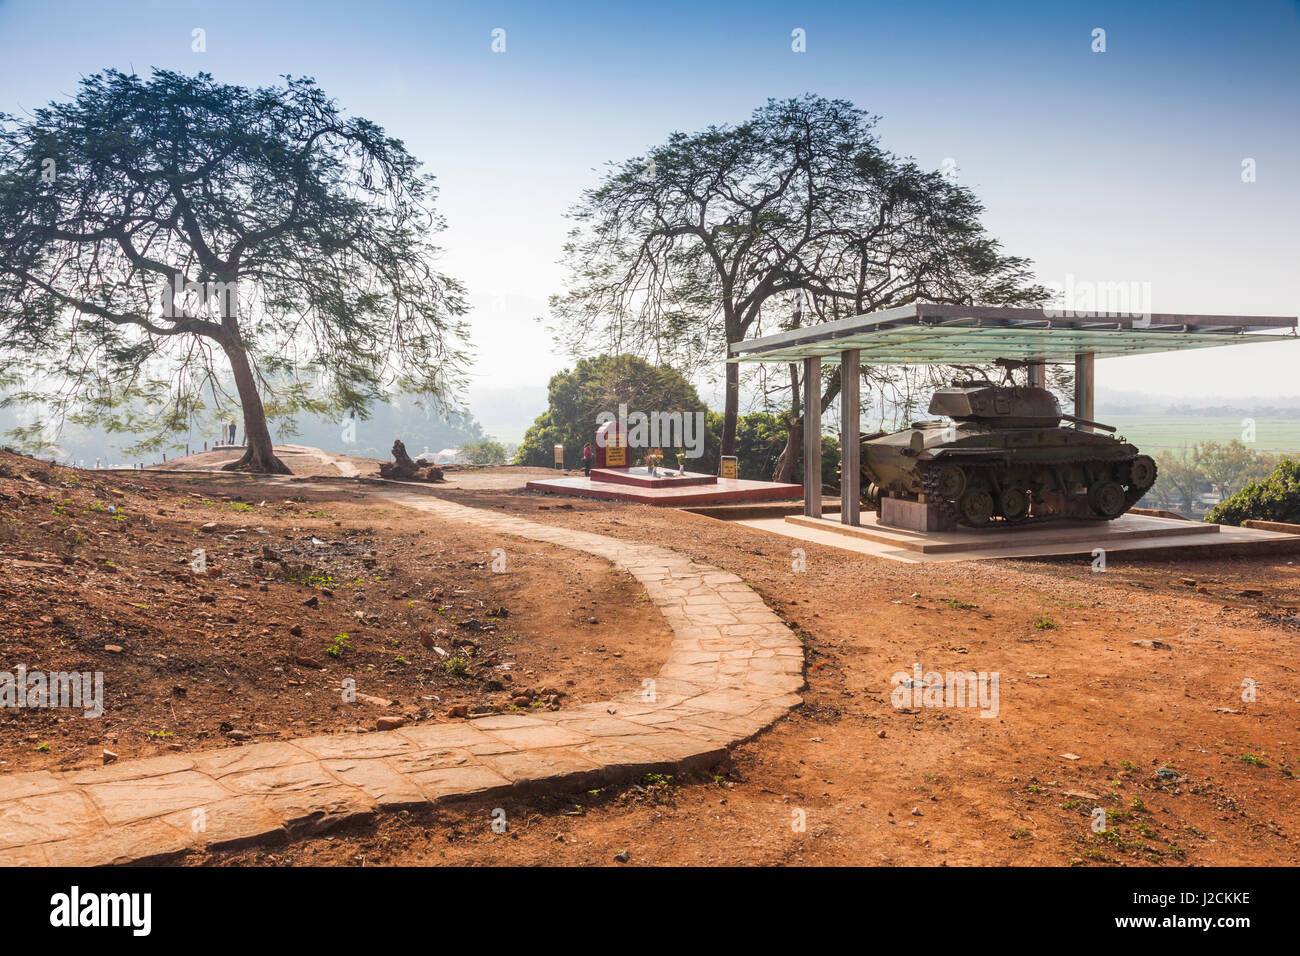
pixel 1229 466
pixel 794 216
pixel 150 227
pixel 575 397
pixel 1180 480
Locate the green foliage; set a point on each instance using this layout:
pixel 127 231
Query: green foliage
pixel 485 451
pixel 830 461
pixel 760 436
pixel 1274 498
pixel 760 439
pixel 600 384
pixel 1185 474
pixel 1178 480
pixel 1227 465
pixel 456 666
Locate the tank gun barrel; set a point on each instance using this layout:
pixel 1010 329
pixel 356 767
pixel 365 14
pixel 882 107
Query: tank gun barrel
pixel 1087 421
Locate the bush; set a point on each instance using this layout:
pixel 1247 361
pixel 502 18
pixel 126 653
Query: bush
pixel 1275 498
pixel 600 384
pixel 484 452
pixel 760 439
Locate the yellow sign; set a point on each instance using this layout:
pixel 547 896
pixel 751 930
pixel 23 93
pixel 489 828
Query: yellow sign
pixel 615 453
pixel 729 466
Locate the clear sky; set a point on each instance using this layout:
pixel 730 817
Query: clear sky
pixel 1117 166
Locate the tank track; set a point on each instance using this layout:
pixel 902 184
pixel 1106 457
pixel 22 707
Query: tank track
pixel 930 485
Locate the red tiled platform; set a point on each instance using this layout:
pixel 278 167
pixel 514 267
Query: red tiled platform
pixel 726 491
pixel 642 479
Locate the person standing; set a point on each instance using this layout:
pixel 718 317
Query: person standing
pixel 587 457
pixel 233 428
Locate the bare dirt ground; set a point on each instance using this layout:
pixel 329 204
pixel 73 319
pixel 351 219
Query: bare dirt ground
pixel 1156 734
pixel 300 459
pixel 1120 690
pixel 300 591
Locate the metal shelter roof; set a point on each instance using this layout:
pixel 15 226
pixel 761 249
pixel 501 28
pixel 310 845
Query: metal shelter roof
pixel 920 334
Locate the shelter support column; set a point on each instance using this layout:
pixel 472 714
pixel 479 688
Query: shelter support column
pixel 812 437
pixel 1084 364
pixel 1037 375
pixel 850 431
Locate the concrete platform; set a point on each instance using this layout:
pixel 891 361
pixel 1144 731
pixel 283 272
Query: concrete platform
pixel 1133 534
pixel 641 478
pixel 908 515
pixel 723 491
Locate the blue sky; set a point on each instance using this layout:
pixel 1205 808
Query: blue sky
pixel 1115 166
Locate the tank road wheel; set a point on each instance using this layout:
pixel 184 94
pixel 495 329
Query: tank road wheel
pixel 1014 504
pixel 951 482
pixel 871 494
pixel 1142 473
pixel 1107 499
pixel 976 507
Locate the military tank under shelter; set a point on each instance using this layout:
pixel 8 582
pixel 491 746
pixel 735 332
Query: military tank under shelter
pixel 1006 454
pixel 1016 459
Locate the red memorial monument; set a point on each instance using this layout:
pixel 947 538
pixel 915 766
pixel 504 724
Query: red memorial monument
pixel 611 446
pixel 615 477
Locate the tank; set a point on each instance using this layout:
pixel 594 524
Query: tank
pixel 1006 455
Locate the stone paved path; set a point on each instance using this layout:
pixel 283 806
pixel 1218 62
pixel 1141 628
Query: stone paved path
pixel 733 669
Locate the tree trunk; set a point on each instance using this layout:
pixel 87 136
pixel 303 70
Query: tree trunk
pixel 259 457
pixel 731 409
pixel 787 463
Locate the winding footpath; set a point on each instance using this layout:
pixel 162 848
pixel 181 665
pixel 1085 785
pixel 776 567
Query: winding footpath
pixel 733 669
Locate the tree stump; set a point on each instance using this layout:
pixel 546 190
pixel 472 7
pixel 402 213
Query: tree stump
pixel 403 468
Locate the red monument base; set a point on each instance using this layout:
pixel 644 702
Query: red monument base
pixel 720 491
pixel 641 478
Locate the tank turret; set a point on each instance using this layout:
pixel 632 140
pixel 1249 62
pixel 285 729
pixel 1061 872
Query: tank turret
pixel 997 406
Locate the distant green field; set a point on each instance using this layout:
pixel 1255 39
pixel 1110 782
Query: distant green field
pixel 1154 433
